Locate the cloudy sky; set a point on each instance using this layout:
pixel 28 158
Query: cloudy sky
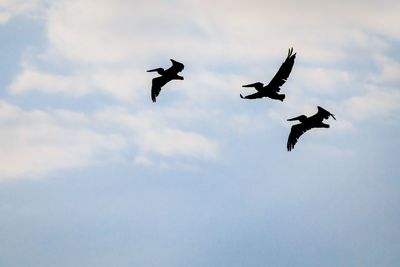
pixel 92 173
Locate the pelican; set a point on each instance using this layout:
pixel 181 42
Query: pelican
pixel 272 89
pixel 307 123
pixel 166 76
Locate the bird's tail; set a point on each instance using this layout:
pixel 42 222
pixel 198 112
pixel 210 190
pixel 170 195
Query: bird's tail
pixel 281 97
pixel 241 96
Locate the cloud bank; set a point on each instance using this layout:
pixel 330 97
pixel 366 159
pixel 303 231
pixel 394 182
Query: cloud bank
pixel 344 63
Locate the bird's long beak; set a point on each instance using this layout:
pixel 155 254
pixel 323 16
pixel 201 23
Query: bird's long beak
pixel 333 116
pixel 153 70
pixel 256 85
pixel 295 119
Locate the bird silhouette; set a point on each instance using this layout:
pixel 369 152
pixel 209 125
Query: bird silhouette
pixel 307 123
pixel 272 89
pixel 166 76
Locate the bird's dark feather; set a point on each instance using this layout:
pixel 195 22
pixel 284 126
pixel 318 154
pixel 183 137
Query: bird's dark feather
pixel 322 113
pixel 156 85
pixel 296 131
pixel 315 121
pixel 176 67
pixel 166 76
pixel 283 72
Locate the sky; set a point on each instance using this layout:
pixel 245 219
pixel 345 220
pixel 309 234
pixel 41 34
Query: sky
pixel 92 173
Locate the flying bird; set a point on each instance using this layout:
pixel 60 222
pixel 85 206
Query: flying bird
pixel 307 123
pixel 166 76
pixel 272 89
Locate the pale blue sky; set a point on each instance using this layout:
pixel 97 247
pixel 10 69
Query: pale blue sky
pixel 93 173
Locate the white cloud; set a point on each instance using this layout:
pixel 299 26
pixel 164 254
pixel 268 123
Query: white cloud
pixel 11 8
pixel 108 32
pixel 35 143
pixel 49 83
pixel 123 45
pixel 168 142
pixel 151 133
pixel 105 47
pixel 322 80
pixel 389 70
pixel 124 85
pixel 376 102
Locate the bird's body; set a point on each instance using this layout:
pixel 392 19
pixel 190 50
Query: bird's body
pixel 272 89
pixel 307 123
pixel 166 76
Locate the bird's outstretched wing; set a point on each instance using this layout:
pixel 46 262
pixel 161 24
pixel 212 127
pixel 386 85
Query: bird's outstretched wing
pixel 156 85
pixel 283 72
pixel 323 114
pixel 295 133
pixel 176 67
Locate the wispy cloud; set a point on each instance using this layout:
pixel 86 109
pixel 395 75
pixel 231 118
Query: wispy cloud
pixel 169 178
pixel 123 85
pixel 376 102
pixel 152 134
pixel 104 49
pixel 37 142
pixel 12 8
